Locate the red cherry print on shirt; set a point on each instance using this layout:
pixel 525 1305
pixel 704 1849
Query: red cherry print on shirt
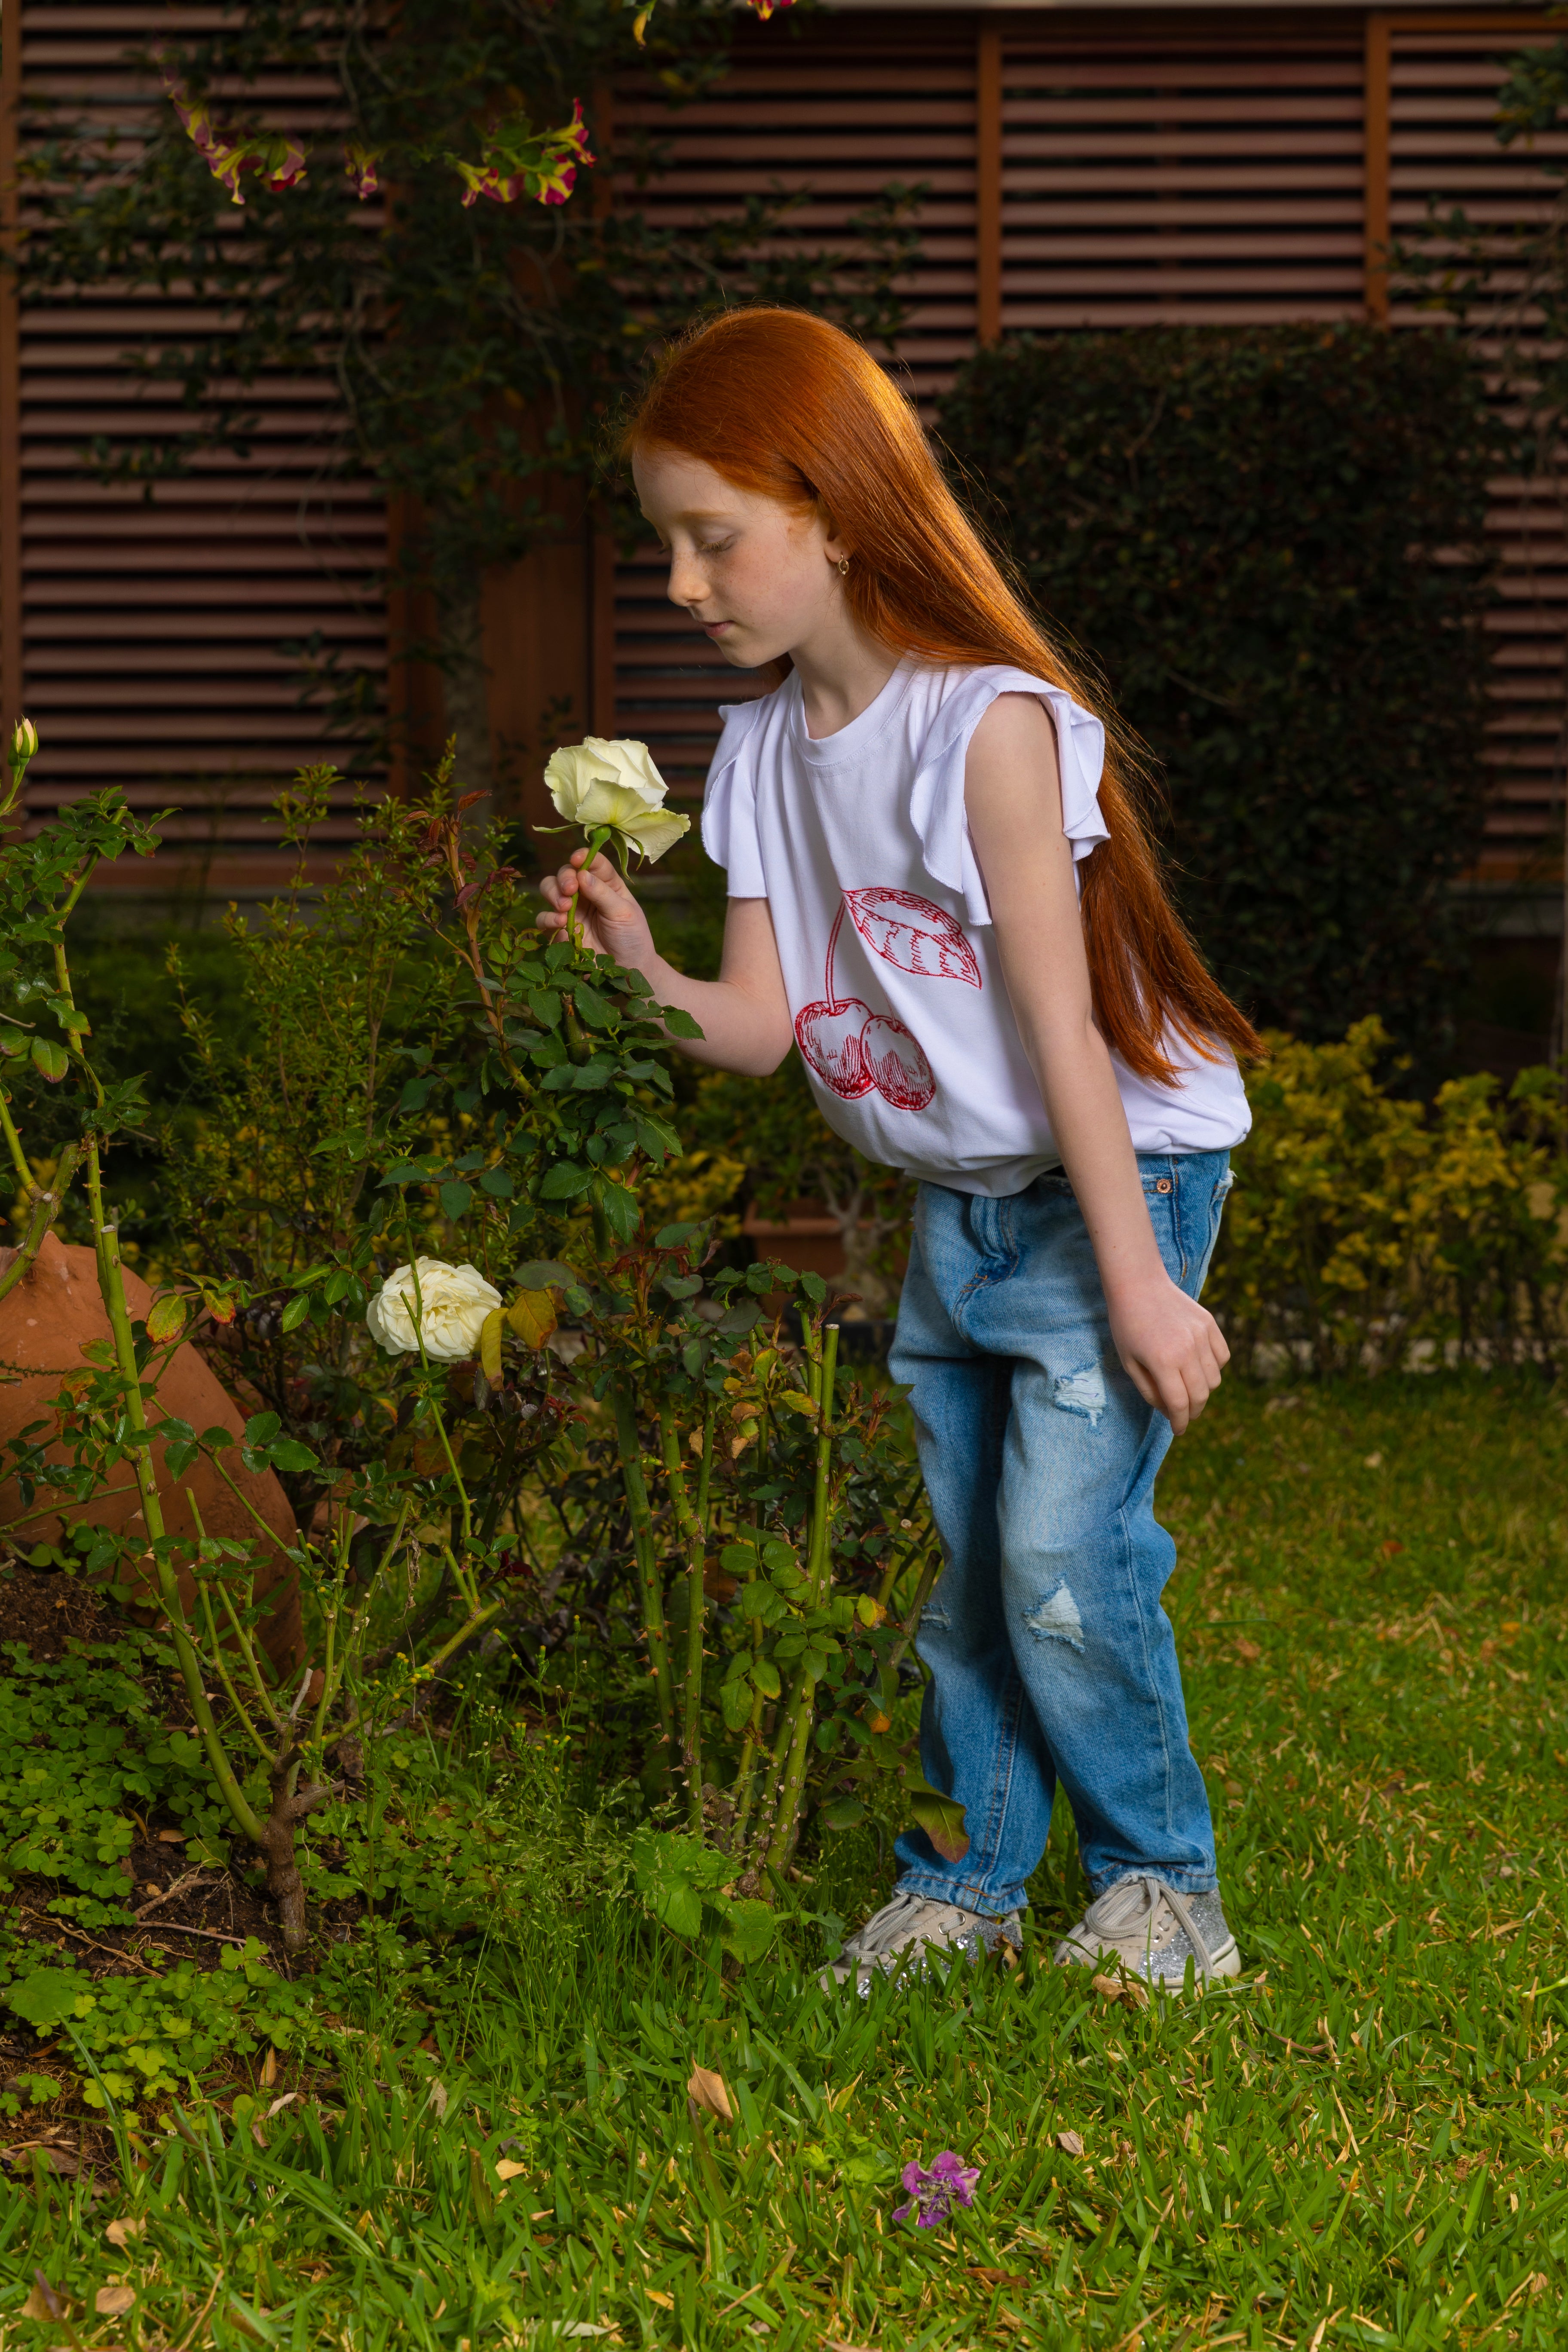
pixel 829 1036
pixel 895 1063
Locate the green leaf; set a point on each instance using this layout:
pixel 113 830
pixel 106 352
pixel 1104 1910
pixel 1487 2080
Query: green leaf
pixel 591 1005
pixel 46 1997
pixel 545 1003
pixel 532 1316
pixel 735 1705
pixel 745 1316
pixel 455 1200
pixel 844 1813
pixel 490 1347
pixel 796 1401
pixel 670 1237
pixel 680 1023
pixel 294 1314
pixel 565 1180
pixel 766 1675
pixel 748 1928
pixel 497 1183
pixel 52 1060
pixel 262 1428
pixel 289 1454
pixel 620 1208
pixel 941 1818
pixel 166 1317
pixel 544 1274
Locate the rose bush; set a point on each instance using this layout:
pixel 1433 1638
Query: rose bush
pixel 452 1304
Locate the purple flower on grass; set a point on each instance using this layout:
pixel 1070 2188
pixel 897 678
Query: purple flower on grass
pixel 932 2193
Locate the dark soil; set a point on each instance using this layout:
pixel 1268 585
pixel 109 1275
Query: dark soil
pixel 48 1612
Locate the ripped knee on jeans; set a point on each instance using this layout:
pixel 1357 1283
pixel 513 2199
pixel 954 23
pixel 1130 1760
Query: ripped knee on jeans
pixel 1056 1618
pixel 1081 1392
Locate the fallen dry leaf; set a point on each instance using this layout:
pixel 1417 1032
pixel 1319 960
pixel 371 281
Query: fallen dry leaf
pixel 279 2104
pixel 1123 1989
pixel 507 2170
pixel 1069 2143
pixel 440 2098
pixel 837 2344
pixel 42 2302
pixel 1390 1548
pixel 269 2074
pixel 111 2301
pixel 120 2233
pixel 665 2302
pixel 998 2278
pixel 706 2095
pixel 1247 1652
pixel 171 1837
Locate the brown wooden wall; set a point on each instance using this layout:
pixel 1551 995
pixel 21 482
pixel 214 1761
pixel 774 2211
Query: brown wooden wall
pixel 1083 168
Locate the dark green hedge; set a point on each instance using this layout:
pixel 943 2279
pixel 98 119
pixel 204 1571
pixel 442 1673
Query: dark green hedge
pixel 1258 537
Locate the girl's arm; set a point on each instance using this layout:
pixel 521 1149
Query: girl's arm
pixel 743 1014
pixel 1173 1349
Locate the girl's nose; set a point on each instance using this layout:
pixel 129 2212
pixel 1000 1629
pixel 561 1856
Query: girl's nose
pixel 687 585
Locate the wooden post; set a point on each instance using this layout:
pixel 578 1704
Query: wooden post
pixel 988 183
pixel 1377 134
pixel 12 679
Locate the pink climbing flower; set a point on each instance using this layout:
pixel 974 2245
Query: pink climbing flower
pixel 932 2193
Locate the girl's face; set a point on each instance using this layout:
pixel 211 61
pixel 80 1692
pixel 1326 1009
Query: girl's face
pixel 759 578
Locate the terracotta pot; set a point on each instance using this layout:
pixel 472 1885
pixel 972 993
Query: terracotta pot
pixel 53 1314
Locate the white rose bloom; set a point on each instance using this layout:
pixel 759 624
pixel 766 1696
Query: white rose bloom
pixel 455 1300
pixel 596 782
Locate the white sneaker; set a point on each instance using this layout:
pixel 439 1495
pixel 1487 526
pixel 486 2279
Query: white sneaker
pixel 1153 1931
pixel 901 1934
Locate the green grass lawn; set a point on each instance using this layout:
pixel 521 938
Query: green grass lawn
pixel 1360 2142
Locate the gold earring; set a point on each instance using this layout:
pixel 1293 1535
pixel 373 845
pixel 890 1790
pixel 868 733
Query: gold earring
pixel 844 567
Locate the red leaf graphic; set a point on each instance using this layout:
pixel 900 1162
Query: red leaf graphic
pixel 912 934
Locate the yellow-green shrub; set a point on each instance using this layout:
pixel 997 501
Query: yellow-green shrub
pixel 1365 1230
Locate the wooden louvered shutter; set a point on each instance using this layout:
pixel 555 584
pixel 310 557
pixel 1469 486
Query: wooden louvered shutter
pixel 839 106
pixel 1442 75
pixel 147 643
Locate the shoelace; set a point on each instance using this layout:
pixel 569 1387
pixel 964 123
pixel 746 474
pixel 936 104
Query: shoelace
pixel 1135 1902
pixel 883 1931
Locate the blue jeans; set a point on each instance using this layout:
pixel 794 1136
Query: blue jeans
pixel 1051 1656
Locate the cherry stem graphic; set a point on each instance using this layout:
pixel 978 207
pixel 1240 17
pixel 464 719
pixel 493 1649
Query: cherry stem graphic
pixel 833 1003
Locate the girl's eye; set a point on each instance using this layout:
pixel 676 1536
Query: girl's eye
pixel 713 546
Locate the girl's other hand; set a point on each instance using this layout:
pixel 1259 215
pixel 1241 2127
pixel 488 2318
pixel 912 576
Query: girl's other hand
pixel 609 919
pixel 1173 1349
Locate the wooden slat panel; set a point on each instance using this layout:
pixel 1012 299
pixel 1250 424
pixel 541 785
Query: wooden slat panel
pixel 152 643
pixel 1134 163
pixel 1443 82
pixel 837 106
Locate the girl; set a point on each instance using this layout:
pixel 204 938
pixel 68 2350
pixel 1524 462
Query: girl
pixel 939 890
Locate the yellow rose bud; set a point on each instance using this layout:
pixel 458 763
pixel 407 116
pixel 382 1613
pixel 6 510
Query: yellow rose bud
pixel 23 742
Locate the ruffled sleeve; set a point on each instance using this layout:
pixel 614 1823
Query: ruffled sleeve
pixel 936 798
pixel 729 802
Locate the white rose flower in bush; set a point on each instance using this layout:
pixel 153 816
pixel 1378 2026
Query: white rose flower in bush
pixel 616 787
pixel 455 1300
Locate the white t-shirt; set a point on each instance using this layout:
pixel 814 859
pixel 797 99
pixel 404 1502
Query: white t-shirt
pixel 861 845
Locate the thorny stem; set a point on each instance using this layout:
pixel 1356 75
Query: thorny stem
pixel 693 1526
pixel 113 1287
pixel 47 1207
pixel 795 1728
pixel 220 1665
pixel 629 1445
pixel 247 1648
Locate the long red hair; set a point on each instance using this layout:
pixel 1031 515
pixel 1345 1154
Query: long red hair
pixel 784 406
